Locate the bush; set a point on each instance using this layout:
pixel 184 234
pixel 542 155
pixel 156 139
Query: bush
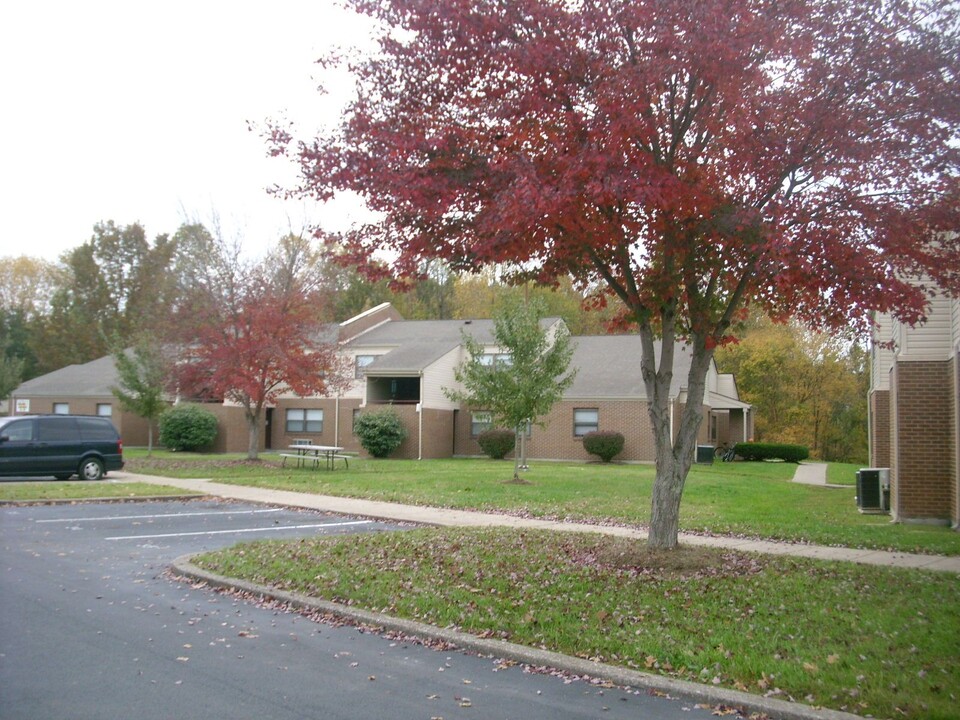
pixel 604 444
pixel 497 442
pixel 187 427
pixel 772 451
pixel 380 432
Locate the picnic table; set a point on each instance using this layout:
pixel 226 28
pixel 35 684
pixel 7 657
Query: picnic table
pixel 313 455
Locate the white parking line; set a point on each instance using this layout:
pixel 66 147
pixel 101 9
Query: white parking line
pixel 164 515
pixel 275 528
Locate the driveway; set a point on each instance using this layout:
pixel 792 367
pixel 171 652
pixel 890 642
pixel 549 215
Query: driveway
pixel 93 628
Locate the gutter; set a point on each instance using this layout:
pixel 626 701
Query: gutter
pixel 420 421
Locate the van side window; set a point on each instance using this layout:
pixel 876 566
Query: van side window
pixel 54 429
pixel 96 429
pixel 18 431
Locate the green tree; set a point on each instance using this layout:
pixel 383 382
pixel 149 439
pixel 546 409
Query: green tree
pixel 11 374
pixel 807 388
pixel 530 373
pixel 114 285
pixel 141 376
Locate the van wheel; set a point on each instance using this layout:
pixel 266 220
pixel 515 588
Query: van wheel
pixel 91 469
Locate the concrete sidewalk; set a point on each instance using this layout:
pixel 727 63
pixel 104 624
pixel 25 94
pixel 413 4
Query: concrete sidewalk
pixel 466 518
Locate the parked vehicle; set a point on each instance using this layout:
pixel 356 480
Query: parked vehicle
pixel 59 445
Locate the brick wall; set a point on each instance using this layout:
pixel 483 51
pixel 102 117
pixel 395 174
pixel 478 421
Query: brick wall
pixel 955 415
pixel 557 442
pixel 921 447
pixel 880 428
pixel 132 429
pixel 232 432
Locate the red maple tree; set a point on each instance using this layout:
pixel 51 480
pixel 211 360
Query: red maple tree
pixel 690 158
pixel 252 333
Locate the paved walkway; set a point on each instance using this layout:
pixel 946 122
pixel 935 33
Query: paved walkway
pixel 466 518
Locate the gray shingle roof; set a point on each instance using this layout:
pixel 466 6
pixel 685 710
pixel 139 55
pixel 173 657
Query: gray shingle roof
pixel 92 379
pixel 416 344
pixel 609 367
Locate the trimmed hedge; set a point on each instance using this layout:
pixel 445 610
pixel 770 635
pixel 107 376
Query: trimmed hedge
pixel 604 444
pixel 380 432
pixel 772 451
pixel 187 427
pixel 497 442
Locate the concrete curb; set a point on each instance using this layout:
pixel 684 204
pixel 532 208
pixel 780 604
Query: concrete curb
pixel 694 692
pixel 114 499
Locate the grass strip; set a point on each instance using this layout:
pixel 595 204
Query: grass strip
pixel 36 490
pixel 874 641
pixel 748 499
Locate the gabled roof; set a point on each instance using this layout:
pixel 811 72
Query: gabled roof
pixel 92 379
pixel 609 367
pixel 416 344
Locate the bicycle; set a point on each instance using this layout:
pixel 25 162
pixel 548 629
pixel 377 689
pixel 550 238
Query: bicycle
pixel 725 453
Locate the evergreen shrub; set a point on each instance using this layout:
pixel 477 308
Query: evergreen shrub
pixel 772 451
pixel 605 444
pixel 187 427
pixel 380 432
pixel 497 442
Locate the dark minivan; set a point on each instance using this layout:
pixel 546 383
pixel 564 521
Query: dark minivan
pixel 59 445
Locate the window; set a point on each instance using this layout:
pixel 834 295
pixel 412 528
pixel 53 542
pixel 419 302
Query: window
pixel 493 359
pixel 104 409
pixel 52 429
pixel 61 408
pixel 585 420
pixel 304 420
pixel 480 421
pixel 361 362
pixel 18 431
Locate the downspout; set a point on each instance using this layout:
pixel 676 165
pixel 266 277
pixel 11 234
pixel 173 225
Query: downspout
pixel 336 421
pixel 420 421
pixel 672 405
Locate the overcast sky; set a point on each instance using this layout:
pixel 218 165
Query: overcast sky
pixel 137 112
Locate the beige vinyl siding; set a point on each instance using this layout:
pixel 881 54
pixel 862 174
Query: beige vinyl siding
pixel 955 323
pixel 930 341
pixel 437 377
pixel 881 358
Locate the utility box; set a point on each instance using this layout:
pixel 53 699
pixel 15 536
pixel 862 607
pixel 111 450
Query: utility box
pixel 705 454
pixel 873 490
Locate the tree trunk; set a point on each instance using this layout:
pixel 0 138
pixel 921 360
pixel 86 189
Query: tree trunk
pixel 675 451
pixel 516 455
pixel 253 433
pixel 149 437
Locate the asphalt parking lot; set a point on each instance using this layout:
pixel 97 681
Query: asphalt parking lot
pixel 93 627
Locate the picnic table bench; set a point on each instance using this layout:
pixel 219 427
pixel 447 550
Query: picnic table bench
pixel 304 453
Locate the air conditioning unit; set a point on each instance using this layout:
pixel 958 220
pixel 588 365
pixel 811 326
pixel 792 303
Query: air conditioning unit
pixel 873 490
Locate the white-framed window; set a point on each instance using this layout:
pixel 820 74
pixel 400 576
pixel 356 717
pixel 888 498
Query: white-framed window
pixel 494 359
pixel 61 408
pixel 104 409
pixel 304 420
pixel 360 364
pixel 480 421
pixel 585 420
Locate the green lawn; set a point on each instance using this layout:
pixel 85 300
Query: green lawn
pixel 873 641
pixel 753 499
pixel 35 490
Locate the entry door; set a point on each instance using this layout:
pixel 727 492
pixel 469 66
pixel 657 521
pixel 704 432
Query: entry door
pixel 268 430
